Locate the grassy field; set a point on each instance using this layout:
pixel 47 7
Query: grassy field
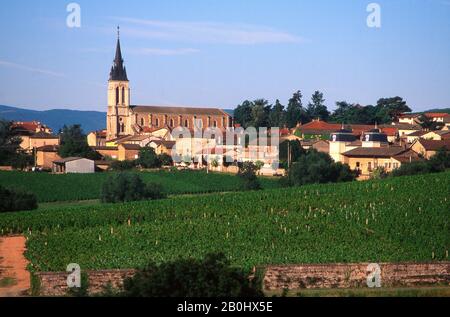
pixel 74 187
pixel 397 219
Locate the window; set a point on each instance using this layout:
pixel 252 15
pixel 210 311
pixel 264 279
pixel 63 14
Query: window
pixel 123 95
pixel 171 123
pixel 142 122
pixel 215 124
pixel 358 165
pixel 117 96
pixel 369 166
pixel 157 122
pixel 186 123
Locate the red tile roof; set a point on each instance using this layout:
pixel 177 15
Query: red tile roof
pixel 437 114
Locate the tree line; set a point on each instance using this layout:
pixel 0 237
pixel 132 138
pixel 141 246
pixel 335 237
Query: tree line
pixel 260 113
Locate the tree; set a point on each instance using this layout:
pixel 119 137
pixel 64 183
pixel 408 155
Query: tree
pixel 427 124
pixel 165 159
pixel 148 158
pixel 10 150
pixel 15 200
pixel 277 117
pixel 212 276
pixel 125 187
pixel 317 108
pixel 389 109
pixel 294 148
pixel 295 113
pixel 74 143
pixel 260 113
pixel 243 114
pixel 316 167
pixel 247 173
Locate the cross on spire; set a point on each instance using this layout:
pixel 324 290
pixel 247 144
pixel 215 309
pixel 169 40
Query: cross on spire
pixel 118 31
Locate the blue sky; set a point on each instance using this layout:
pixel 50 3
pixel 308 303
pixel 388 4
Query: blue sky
pixel 219 53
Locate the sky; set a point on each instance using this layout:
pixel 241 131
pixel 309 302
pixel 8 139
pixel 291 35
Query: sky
pixel 213 53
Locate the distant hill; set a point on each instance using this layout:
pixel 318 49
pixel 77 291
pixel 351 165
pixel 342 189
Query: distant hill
pixel 56 119
pixel 443 110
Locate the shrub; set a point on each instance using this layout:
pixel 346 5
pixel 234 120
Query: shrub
pixel 438 163
pixel 165 159
pixel 148 158
pixel 14 200
pixel 315 167
pixel 126 187
pixel 122 165
pixel 247 172
pixel 212 276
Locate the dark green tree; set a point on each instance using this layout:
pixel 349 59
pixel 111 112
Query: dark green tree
pixel 260 113
pixel 247 173
pixel 125 187
pixel 389 109
pixel 243 114
pixel 277 117
pixel 74 143
pixel 294 147
pixel 316 167
pixel 295 113
pixel 16 200
pixel 148 158
pixel 10 150
pixel 213 276
pixel 316 108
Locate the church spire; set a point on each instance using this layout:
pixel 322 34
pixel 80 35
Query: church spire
pixel 118 71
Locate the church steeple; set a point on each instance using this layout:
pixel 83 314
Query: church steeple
pixel 118 70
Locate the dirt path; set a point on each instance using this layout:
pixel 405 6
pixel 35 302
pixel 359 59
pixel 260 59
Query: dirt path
pixel 14 277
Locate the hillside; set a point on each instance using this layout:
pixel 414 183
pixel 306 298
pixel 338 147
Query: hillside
pixel 56 119
pixel 393 220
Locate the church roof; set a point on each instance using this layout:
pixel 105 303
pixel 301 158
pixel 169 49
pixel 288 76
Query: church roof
pixel 179 110
pixel 118 70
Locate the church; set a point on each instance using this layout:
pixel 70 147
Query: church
pixel 125 119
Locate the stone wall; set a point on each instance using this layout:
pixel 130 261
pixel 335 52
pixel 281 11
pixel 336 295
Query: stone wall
pixel 294 277
pixel 55 283
pixel 291 277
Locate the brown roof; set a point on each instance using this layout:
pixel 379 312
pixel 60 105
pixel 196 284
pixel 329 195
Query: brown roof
pixel 407 156
pixel 180 110
pixel 104 148
pixel 435 145
pixel 130 146
pixel 418 133
pixel 375 151
pixel 48 148
pixel 406 126
pixel 43 135
pixel 167 144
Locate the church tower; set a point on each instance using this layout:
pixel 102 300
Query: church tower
pixel 118 116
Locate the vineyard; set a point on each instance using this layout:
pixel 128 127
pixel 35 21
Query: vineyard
pixel 73 187
pixel 399 219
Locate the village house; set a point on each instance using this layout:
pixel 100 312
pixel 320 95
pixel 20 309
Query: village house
pixel 33 135
pixel 162 146
pixel 97 138
pixel 367 159
pixel 438 135
pixel 128 152
pixel 429 148
pixel 45 155
pixel 411 119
